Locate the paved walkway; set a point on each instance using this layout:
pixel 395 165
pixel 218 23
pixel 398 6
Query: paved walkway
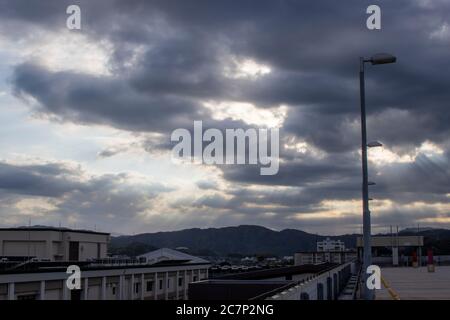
pixel 415 283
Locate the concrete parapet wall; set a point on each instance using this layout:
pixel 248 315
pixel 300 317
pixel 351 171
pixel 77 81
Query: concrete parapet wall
pixel 323 286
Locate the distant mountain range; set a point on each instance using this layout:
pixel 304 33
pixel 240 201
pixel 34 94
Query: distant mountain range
pixel 250 240
pixel 240 240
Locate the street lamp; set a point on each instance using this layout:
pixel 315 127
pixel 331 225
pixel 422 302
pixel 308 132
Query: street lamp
pixel 381 58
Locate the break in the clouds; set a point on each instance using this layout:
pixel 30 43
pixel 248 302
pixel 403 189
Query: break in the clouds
pixel 107 97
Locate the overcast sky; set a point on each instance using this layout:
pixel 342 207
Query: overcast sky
pixel 86 115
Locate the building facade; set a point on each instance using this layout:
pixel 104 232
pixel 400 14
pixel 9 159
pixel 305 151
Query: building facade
pixel 138 282
pixel 34 264
pixel 329 245
pixel 316 257
pixel 395 243
pixel 53 244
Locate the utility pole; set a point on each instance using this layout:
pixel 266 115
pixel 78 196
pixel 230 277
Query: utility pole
pixel 367 260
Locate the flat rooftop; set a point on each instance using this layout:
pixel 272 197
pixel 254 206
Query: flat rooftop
pixel 416 283
pixel 61 266
pixel 234 289
pixel 253 284
pixel 59 229
pixel 278 272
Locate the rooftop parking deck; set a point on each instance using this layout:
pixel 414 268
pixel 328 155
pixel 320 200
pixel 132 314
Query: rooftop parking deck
pixel 416 283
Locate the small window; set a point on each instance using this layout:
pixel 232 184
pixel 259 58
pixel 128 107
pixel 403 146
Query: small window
pixel 160 284
pixel 136 287
pixel 168 283
pixel 180 282
pixel 149 286
pixel 114 291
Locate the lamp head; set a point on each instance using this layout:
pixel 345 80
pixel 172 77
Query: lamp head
pixel 382 58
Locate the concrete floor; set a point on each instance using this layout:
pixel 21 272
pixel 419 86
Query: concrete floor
pixel 416 283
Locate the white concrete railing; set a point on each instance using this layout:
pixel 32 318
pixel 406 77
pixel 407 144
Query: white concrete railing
pixel 310 287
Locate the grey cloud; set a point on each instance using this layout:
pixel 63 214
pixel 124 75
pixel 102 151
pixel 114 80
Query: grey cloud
pixel 106 199
pixel 89 99
pixel 425 179
pixel 296 173
pixel 207 185
pixel 51 180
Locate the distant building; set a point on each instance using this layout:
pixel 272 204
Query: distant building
pixel 249 260
pixel 316 257
pixel 53 244
pixel 329 245
pixel 166 254
pixel 395 243
pixel 328 250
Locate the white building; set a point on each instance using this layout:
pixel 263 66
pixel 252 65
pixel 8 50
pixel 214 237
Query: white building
pixel 161 281
pixel 329 245
pixel 166 254
pixel 53 244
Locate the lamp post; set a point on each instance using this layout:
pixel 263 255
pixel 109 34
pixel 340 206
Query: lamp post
pixel 381 58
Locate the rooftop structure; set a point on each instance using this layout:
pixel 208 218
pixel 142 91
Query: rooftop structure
pixel 52 244
pixel 394 242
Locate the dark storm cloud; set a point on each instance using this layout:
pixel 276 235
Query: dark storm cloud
pixel 186 67
pixel 89 99
pixel 50 180
pixel 424 180
pixel 295 173
pixel 313 53
pixel 55 179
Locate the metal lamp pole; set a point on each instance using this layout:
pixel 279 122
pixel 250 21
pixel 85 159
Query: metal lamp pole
pixel 367 259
